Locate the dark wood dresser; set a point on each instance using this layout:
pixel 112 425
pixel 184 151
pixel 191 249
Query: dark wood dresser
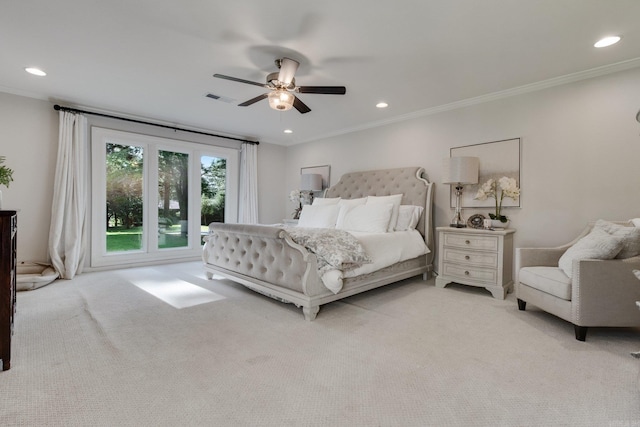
pixel 8 266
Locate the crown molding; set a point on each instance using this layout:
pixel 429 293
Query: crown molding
pixel 532 87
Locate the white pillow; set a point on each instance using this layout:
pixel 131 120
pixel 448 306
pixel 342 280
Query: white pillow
pixel 326 201
pixel 408 217
pixel 395 199
pixel 366 218
pixel 352 202
pixel 596 245
pixel 630 237
pixel 345 205
pixel 636 222
pixel 319 216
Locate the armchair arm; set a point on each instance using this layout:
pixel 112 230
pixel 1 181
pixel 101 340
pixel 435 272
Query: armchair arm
pixel 538 257
pixel 604 292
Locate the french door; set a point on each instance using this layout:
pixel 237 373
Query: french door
pixel 152 198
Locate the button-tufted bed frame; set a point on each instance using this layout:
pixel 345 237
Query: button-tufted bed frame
pixel 266 259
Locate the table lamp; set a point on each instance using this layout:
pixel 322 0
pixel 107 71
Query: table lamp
pixel 460 171
pixel 310 182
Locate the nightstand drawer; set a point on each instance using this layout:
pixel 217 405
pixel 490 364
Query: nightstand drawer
pixel 487 243
pixel 473 258
pixel 471 273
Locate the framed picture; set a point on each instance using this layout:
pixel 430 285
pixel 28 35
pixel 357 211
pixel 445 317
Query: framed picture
pixel 497 159
pixel 325 171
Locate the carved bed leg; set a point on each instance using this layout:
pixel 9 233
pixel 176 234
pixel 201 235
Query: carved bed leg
pixel 310 312
pixel 208 274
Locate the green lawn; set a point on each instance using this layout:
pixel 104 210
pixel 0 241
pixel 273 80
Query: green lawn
pixel 120 239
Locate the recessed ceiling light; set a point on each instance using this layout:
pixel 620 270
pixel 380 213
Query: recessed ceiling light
pixel 607 41
pixel 288 131
pixel 35 71
pixel 382 105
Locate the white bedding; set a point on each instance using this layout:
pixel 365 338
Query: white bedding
pixel 385 249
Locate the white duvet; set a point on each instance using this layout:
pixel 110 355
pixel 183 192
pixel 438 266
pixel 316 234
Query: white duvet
pixel 385 249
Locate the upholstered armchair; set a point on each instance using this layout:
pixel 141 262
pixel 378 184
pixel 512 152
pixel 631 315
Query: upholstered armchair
pixel 587 292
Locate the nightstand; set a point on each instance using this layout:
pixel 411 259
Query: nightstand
pixel 476 257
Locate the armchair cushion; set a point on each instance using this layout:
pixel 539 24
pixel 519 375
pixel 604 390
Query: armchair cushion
pixel 596 245
pixel 551 280
pixel 630 237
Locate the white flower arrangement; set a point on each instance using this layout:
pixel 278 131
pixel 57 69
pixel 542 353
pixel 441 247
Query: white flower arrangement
pixel 296 197
pixel 508 188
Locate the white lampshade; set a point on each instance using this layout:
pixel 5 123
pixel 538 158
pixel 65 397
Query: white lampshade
pixel 311 182
pixel 460 170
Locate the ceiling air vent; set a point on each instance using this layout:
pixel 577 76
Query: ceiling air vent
pixel 220 98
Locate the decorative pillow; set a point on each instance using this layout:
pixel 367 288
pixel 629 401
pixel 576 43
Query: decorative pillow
pixel 408 217
pixel 319 216
pixel 367 218
pixel 630 237
pixel 596 245
pixel 395 199
pixel 326 201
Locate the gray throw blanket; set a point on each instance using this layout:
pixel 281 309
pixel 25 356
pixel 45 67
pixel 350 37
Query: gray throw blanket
pixel 335 249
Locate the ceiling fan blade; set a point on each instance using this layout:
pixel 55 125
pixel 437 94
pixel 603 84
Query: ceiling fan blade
pixel 235 79
pixel 288 68
pixel 253 100
pixel 300 106
pixel 327 90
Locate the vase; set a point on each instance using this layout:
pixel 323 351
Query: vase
pixel 496 223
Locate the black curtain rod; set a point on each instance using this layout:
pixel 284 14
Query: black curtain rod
pixel 74 110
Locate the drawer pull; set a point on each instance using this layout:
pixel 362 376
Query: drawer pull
pixel 466 273
pixel 467 257
pixel 467 242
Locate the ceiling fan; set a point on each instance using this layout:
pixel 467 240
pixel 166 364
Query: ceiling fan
pixel 282 85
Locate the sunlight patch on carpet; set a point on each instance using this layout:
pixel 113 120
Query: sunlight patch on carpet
pixel 175 292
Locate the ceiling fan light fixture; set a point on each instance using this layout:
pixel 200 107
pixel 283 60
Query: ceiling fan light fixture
pixel 281 100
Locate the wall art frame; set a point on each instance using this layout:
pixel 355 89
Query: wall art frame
pixel 497 159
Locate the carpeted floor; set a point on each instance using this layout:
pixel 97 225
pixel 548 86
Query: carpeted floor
pixel 101 350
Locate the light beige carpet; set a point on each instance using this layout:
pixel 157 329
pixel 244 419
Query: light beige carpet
pixel 99 350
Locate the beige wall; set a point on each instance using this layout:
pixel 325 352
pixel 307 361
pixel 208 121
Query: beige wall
pixel 29 139
pixel 580 153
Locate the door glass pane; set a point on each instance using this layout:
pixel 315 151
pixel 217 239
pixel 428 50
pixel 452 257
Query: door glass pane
pixel 124 197
pixel 173 199
pixel 213 182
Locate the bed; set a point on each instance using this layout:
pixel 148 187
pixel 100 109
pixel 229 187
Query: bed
pixel 267 259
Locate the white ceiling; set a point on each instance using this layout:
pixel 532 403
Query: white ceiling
pixel 155 59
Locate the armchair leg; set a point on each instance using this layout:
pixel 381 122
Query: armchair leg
pixel 581 332
pixel 522 305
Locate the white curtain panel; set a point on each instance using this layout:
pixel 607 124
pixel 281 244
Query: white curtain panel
pixel 248 184
pixel 67 236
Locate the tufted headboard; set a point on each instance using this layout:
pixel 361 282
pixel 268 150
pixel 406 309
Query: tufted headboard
pixel 415 189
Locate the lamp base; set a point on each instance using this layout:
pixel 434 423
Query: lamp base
pixel 458 221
